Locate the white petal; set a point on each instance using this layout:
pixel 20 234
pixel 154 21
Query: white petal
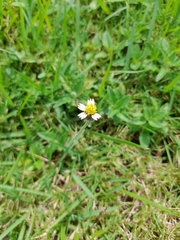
pixel 91 101
pixel 81 106
pixel 82 115
pixel 96 116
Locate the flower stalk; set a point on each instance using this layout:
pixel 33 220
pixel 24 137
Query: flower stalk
pixel 89 112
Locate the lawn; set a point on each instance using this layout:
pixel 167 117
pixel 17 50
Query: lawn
pixel 113 178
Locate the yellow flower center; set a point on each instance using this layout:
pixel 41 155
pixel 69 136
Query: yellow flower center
pixel 90 109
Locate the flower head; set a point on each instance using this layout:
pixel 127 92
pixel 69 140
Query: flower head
pixel 89 111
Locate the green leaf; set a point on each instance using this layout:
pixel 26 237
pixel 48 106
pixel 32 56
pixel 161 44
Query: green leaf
pixel 119 62
pixel 122 102
pixel 25 125
pixel 161 74
pixel 112 112
pixel 107 40
pixel 104 6
pixel 63 100
pixel 111 97
pixel 69 210
pixel 62 233
pixel 134 128
pixel 52 138
pixel 38 164
pixel 153 18
pixel 147 201
pixel 165 109
pixel 13 226
pixel 6 95
pixel 155 103
pixel 165 46
pixel 155 123
pixel 78 86
pixel 123 117
pixel 83 186
pixel 172 84
pixel 138 122
pixel 22 232
pixel 41 75
pixel 77 236
pixel 26 190
pixel 100 55
pixel 116 140
pixel 147 113
pixel 114 14
pixel 101 88
pixel 130 47
pixel 144 138
pixel 98 233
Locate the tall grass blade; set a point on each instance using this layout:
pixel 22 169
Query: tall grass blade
pixel 12 226
pixel 101 88
pixel 153 20
pixel 116 140
pixel 82 185
pixel 69 210
pixel 130 46
pixel 151 203
pixel 6 95
pixel 104 6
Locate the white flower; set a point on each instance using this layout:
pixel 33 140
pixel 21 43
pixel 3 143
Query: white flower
pixel 89 111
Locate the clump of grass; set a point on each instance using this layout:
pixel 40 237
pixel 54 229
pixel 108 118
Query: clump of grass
pixel 121 178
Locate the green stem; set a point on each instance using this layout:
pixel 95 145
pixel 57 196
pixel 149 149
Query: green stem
pixel 72 142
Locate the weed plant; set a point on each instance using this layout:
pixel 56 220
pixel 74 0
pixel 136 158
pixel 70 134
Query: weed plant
pixel 111 179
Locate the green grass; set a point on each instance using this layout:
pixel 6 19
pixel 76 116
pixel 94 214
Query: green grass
pixel 117 178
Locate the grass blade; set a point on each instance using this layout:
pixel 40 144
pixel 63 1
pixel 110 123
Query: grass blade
pixel 30 230
pixel 172 84
pixel 14 225
pixel 151 203
pixel 21 235
pixel 77 22
pixel 62 233
pixel 115 13
pixel 116 140
pixel 104 7
pixel 69 210
pixel 23 30
pixel 130 46
pixel 83 186
pixel 6 95
pixel 153 20
pixel 13 169
pixel 101 88
pixel 26 190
